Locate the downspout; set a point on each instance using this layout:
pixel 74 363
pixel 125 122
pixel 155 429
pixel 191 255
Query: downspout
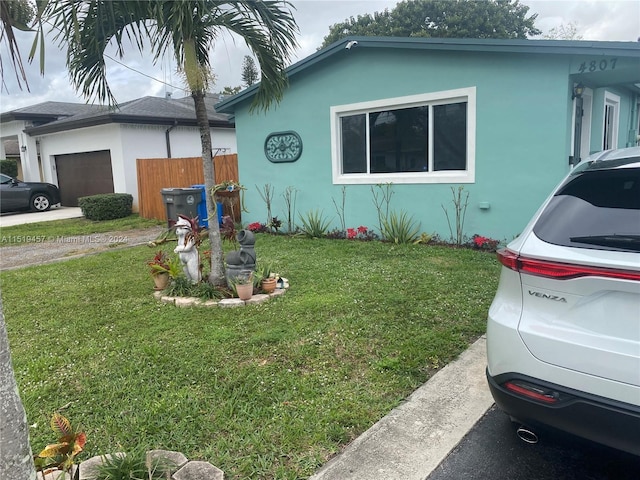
pixel 576 96
pixel 167 138
pixel 577 131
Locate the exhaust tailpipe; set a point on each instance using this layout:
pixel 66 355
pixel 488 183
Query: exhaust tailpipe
pixel 527 435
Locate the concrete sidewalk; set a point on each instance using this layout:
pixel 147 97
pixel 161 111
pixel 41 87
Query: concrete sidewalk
pixel 412 440
pixel 59 213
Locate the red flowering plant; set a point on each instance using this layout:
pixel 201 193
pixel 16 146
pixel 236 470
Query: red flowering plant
pixel 361 233
pixel 257 227
pixel 159 264
pixel 484 243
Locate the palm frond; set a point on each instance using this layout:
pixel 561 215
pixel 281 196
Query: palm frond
pixel 7 24
pixel 190 28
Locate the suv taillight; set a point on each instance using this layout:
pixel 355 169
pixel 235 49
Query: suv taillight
pixel 557 270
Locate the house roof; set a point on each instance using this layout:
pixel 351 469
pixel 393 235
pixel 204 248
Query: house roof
pixel 48 112
pixel 52 117
pixel 548 47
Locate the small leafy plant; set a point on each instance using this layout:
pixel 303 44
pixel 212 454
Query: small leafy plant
pixel 263 271
pixel 399 228
pixel 132 466
pixel 460 203
pixel 61 455
pixel 289 195
pixel 162 263
pixel 266 193
pixel 207 291
pixel 159 263
pixel 314 225
pixel 179 287
pixel 228 229
pixel 243 280
pixel 275 224
pixel 336 234
pixel 424 238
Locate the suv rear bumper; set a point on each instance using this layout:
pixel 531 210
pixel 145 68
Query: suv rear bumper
pixel 601 420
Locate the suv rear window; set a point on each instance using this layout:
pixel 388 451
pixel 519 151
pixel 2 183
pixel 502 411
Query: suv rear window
pixel 597 209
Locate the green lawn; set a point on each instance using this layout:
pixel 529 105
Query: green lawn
pixel 66 228
pixel 262 392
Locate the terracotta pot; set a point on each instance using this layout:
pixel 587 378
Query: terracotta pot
pixel 245 291
pixel 268 285
pixel 161 280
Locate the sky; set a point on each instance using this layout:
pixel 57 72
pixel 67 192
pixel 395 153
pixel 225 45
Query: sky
pixel 605 20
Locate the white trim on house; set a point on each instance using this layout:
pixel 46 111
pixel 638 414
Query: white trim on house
pixel 587 115
pixel 467 95
pixel 610 132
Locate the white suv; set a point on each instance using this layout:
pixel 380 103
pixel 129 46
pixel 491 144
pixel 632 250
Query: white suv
pixel 563 333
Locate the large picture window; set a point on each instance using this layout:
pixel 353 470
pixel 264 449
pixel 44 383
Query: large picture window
pixel 419 139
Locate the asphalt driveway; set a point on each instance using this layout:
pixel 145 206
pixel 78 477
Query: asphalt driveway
pixel 492 449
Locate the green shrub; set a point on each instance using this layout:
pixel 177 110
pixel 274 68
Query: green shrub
pixel 106 206
pixel 314 225
pixel 399 228
pixel 9 167
pixel 133 466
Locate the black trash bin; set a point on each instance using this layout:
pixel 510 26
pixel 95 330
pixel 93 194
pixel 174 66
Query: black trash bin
pixel 181 201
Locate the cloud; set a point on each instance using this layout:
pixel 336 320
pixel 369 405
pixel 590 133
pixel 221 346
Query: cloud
pixel 603 20
pixel 617 20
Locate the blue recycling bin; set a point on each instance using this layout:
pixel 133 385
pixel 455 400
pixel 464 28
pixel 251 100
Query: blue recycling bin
pixel 202 208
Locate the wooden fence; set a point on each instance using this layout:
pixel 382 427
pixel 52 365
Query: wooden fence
pixel 154 174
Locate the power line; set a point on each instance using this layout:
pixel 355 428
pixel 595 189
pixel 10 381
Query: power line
pixel 143 74
pixel 127 66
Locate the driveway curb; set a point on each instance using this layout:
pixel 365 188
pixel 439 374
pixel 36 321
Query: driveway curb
pixel 412 440
pixel 59 213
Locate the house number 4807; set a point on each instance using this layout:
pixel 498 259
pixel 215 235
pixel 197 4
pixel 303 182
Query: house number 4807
pixel 595 65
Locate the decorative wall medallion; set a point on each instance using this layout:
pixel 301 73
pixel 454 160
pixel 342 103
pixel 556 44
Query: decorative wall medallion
pixel 283 147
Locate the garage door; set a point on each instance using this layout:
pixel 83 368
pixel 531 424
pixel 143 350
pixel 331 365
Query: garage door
pixel 83 174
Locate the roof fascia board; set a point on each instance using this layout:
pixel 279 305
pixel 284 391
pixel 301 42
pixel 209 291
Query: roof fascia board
pixel 223 106
pixel 117 118
pixel 11 116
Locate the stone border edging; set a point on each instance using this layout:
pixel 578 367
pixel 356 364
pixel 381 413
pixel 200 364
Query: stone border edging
pixel 224 303
pixel 176 467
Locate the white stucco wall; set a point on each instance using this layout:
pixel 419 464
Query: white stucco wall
pixel 90 139
pixel 28 158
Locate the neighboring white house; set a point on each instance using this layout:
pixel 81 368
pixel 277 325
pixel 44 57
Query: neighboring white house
pixel 91 149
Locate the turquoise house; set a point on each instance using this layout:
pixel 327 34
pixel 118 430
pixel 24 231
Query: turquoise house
pixel 504 120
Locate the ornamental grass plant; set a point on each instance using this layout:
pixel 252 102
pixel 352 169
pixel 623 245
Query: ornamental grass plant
pixel 263 391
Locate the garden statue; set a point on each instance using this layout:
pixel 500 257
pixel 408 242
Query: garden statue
pixel 187 249
pixel 241 262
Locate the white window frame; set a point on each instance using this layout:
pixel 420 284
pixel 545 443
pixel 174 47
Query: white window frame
pixel 613 101
pixel 436 98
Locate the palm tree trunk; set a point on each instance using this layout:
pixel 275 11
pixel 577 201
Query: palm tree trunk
pixel 16 461
pixel 216 277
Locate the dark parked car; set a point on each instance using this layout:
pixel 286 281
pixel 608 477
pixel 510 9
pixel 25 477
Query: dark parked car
pixel 16 195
